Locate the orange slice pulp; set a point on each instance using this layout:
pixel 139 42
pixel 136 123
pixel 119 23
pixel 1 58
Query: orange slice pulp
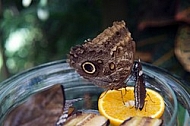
pixel 111 105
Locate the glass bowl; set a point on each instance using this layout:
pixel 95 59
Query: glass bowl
pixel 17 89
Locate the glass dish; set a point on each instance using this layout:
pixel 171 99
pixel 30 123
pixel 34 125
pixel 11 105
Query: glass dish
pixel 19 88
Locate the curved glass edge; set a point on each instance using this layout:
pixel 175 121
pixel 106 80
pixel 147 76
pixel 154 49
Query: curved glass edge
pixel 18 88
pixel 44 76
pixel 179 86
pixel 173 119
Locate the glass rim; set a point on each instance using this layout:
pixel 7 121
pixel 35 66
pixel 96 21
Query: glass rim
pixel 58 65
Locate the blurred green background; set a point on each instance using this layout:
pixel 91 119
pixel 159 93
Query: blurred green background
pixel 34 32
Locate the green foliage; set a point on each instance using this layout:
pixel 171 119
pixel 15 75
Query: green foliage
pixel 48 28
pixel 66 23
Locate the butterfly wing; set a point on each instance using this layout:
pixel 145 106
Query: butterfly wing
pixel 107 59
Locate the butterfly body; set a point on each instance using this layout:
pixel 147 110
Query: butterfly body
pixel 106 60
pixel 139 88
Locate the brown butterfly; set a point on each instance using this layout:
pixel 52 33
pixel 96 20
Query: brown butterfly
pixel 107 60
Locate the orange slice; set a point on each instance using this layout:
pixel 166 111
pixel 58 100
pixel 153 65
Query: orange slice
pixel 111 105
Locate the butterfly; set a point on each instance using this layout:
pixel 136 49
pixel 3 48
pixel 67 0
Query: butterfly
pixel 106 60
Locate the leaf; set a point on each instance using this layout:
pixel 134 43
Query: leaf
pixel 182 48
pixel 42 109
